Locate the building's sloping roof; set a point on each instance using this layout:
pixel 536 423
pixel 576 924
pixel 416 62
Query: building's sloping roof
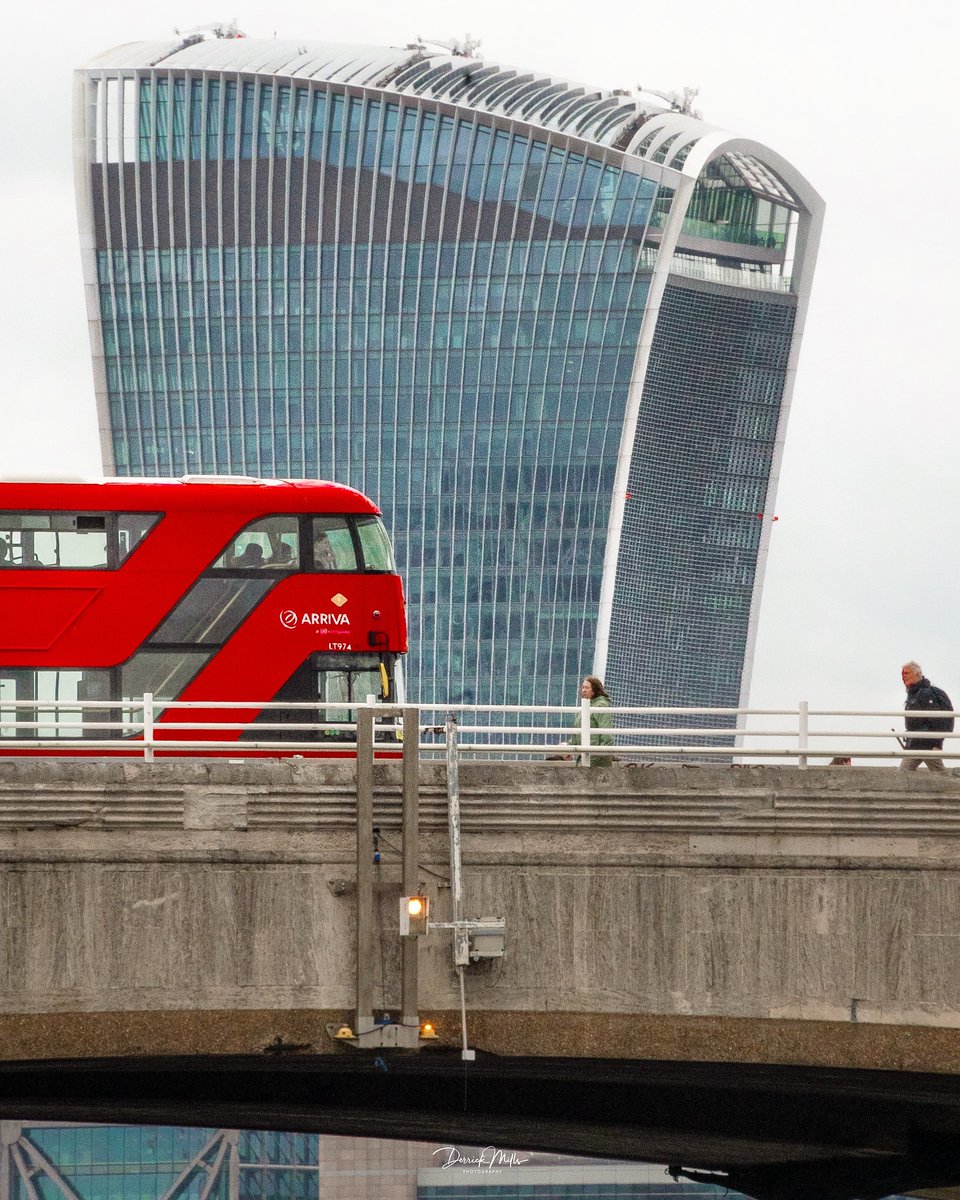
pixel 608 118
pixel 654 126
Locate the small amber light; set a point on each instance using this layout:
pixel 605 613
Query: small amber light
pixel 427 1030
pixel 344 1032
pixel 414 906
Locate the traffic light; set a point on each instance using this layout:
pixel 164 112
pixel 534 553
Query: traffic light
pixel 414 915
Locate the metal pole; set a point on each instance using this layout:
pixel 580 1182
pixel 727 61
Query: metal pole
pixel 465 1052
pixel 364 1014
pixel 803 734
pixel 409 1003
pixel 461 941
pixel 461 938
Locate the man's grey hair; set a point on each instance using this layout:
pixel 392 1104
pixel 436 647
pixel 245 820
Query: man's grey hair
pixel 914 666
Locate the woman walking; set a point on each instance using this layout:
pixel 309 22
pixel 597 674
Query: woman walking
pixel 601 718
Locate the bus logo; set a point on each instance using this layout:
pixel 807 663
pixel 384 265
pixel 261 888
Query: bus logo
pixel 339 599
pixel 290 619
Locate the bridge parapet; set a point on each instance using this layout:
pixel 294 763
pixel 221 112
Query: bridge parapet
pixel 764 913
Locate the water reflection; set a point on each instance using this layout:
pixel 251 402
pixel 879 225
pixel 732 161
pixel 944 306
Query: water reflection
pixel 49 1161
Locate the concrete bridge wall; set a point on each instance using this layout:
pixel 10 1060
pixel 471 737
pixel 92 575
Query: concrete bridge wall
pixel 762 914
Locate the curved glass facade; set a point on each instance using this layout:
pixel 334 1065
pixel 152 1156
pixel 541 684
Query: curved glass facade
pixel 439 306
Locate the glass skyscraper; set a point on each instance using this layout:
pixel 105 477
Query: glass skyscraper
pixel 552 330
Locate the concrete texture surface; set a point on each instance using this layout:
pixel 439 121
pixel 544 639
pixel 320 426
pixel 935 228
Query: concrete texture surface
pixel 762 914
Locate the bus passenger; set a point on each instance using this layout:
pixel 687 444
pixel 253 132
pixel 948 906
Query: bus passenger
pixel 323 556
pixel 283 557
pixel 251 558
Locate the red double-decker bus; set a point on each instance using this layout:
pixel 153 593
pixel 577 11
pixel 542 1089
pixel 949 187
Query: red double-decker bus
pixel 200 589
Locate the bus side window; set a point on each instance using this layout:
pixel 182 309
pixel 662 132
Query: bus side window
pixel 54 539
pixel 333 548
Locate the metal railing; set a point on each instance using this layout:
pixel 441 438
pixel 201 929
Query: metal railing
pixel 149 727
pixel 764 281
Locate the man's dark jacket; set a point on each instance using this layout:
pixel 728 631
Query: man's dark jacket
pixel 922 699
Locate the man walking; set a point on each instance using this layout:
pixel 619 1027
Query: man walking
pixel 922 699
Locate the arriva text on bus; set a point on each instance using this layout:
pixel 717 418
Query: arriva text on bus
pixel 289 619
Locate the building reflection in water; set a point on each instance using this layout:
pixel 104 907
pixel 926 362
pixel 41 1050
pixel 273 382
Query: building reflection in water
pixel 47 1161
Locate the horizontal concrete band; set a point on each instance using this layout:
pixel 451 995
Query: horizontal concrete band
pixel 749 802
pixel 667 1038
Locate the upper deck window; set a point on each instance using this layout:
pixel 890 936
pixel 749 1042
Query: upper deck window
pixel 271 542
pixel 80 540
pixel 333 546
pixel 377 551
pixel 132 528
pixel 331 542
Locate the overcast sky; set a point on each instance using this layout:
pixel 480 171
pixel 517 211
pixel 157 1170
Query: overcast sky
pixel 861 574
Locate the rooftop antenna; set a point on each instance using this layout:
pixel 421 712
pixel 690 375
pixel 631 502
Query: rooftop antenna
pixel 217 29
pixel 465 47
pixel 681 102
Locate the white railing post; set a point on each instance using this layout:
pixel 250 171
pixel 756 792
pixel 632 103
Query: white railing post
pixel 803 734
pixel 585 731
pixel 148 726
